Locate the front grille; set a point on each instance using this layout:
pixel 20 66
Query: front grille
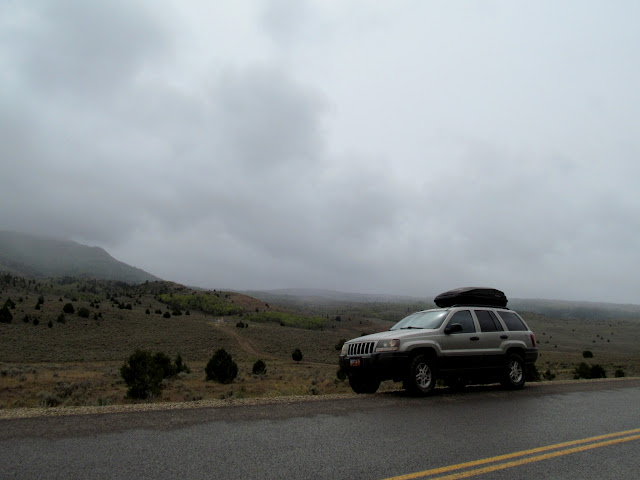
pixel 361 348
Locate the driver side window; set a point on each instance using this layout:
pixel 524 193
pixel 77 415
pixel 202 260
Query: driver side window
pixel 463 317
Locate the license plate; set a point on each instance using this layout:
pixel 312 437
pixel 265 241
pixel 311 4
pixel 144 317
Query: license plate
pixel 354 362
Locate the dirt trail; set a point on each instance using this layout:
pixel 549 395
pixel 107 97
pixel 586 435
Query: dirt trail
pixel 245 344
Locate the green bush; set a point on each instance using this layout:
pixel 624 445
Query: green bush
pixel 221 367
pixel 84 312
pixel 166 315
pixel 587 354
pixel 597 371
pixel 142 375
pixel 296 355
pixel 582 371
pixel 259 368
pixel 619 373
pixel 68 308
pixel 181 366
pixel 291 320
pixel 5 315
pixel 585 371
pixel 163 362
pixel 549 375
pixel 340 343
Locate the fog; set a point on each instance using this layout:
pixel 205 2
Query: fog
pixel 374 147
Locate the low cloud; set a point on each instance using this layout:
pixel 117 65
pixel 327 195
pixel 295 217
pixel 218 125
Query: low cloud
pixel 294 162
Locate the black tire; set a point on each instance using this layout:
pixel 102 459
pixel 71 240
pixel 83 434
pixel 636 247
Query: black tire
pixel 361 384
pixel 422 376
pixel 513 377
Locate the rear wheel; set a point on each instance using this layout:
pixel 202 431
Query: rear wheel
pixel 513 377
pixel 362 384
pixel 422 376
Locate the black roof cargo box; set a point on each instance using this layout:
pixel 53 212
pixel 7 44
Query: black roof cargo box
pixel 487 297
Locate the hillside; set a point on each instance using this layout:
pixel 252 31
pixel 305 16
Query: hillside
pixel 41 257
pixel 65 340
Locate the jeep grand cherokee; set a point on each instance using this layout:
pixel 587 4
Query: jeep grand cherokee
pixel 459 344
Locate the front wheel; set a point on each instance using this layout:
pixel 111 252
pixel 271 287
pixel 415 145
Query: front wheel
pixel 422 376
pixel 513 377
pixel 361 384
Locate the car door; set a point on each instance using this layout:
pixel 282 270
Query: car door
pixel 460 348
pixel 491 337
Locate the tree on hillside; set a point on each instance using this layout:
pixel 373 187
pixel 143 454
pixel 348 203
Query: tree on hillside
pixel 221 367
pixel 143 373
pixel 296 355
pixel 259 368
pixel 163 362
pixel 68 308
pixel 5 315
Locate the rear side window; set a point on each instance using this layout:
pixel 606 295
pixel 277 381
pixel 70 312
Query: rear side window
pixel 513 322
pixel 463 317
pixel 488 321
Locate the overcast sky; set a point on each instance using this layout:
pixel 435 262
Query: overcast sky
pixel 404 147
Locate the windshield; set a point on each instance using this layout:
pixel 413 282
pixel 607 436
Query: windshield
pixel 430 319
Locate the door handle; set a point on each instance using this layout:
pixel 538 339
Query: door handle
pixel 504 336
pixel 473 339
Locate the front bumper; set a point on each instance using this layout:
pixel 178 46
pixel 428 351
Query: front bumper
pixel 385 365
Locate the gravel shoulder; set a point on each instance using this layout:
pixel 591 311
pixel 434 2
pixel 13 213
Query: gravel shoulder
pixel 21 413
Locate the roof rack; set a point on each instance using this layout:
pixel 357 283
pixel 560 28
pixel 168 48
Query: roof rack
pixel 477 305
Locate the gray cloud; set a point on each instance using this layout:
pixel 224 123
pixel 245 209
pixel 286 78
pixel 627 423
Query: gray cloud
pixel 324 147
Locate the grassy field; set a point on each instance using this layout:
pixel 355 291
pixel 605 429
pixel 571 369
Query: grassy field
pixel 49 360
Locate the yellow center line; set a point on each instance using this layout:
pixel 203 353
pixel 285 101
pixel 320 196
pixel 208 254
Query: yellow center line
pixel 502 466
pixel 507 456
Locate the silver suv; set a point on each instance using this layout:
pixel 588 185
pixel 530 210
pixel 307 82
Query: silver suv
pixel 460 345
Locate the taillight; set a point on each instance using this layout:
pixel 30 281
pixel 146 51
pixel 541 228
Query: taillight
pixel 533 340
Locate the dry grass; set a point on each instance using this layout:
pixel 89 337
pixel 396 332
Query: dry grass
pixel 99 383
pixel 78 362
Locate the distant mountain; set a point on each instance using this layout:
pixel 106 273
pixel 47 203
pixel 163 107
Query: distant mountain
pixel 561 309
pixel 37 256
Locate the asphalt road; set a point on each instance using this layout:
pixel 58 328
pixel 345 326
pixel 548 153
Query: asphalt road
pixel 580 430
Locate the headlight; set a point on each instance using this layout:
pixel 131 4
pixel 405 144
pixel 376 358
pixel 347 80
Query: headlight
pixel 388 345
pixel 345 349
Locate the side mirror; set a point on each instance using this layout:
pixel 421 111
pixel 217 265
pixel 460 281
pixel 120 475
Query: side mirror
pixel 454 328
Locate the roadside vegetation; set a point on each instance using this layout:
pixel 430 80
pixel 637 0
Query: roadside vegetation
pixel 71 341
